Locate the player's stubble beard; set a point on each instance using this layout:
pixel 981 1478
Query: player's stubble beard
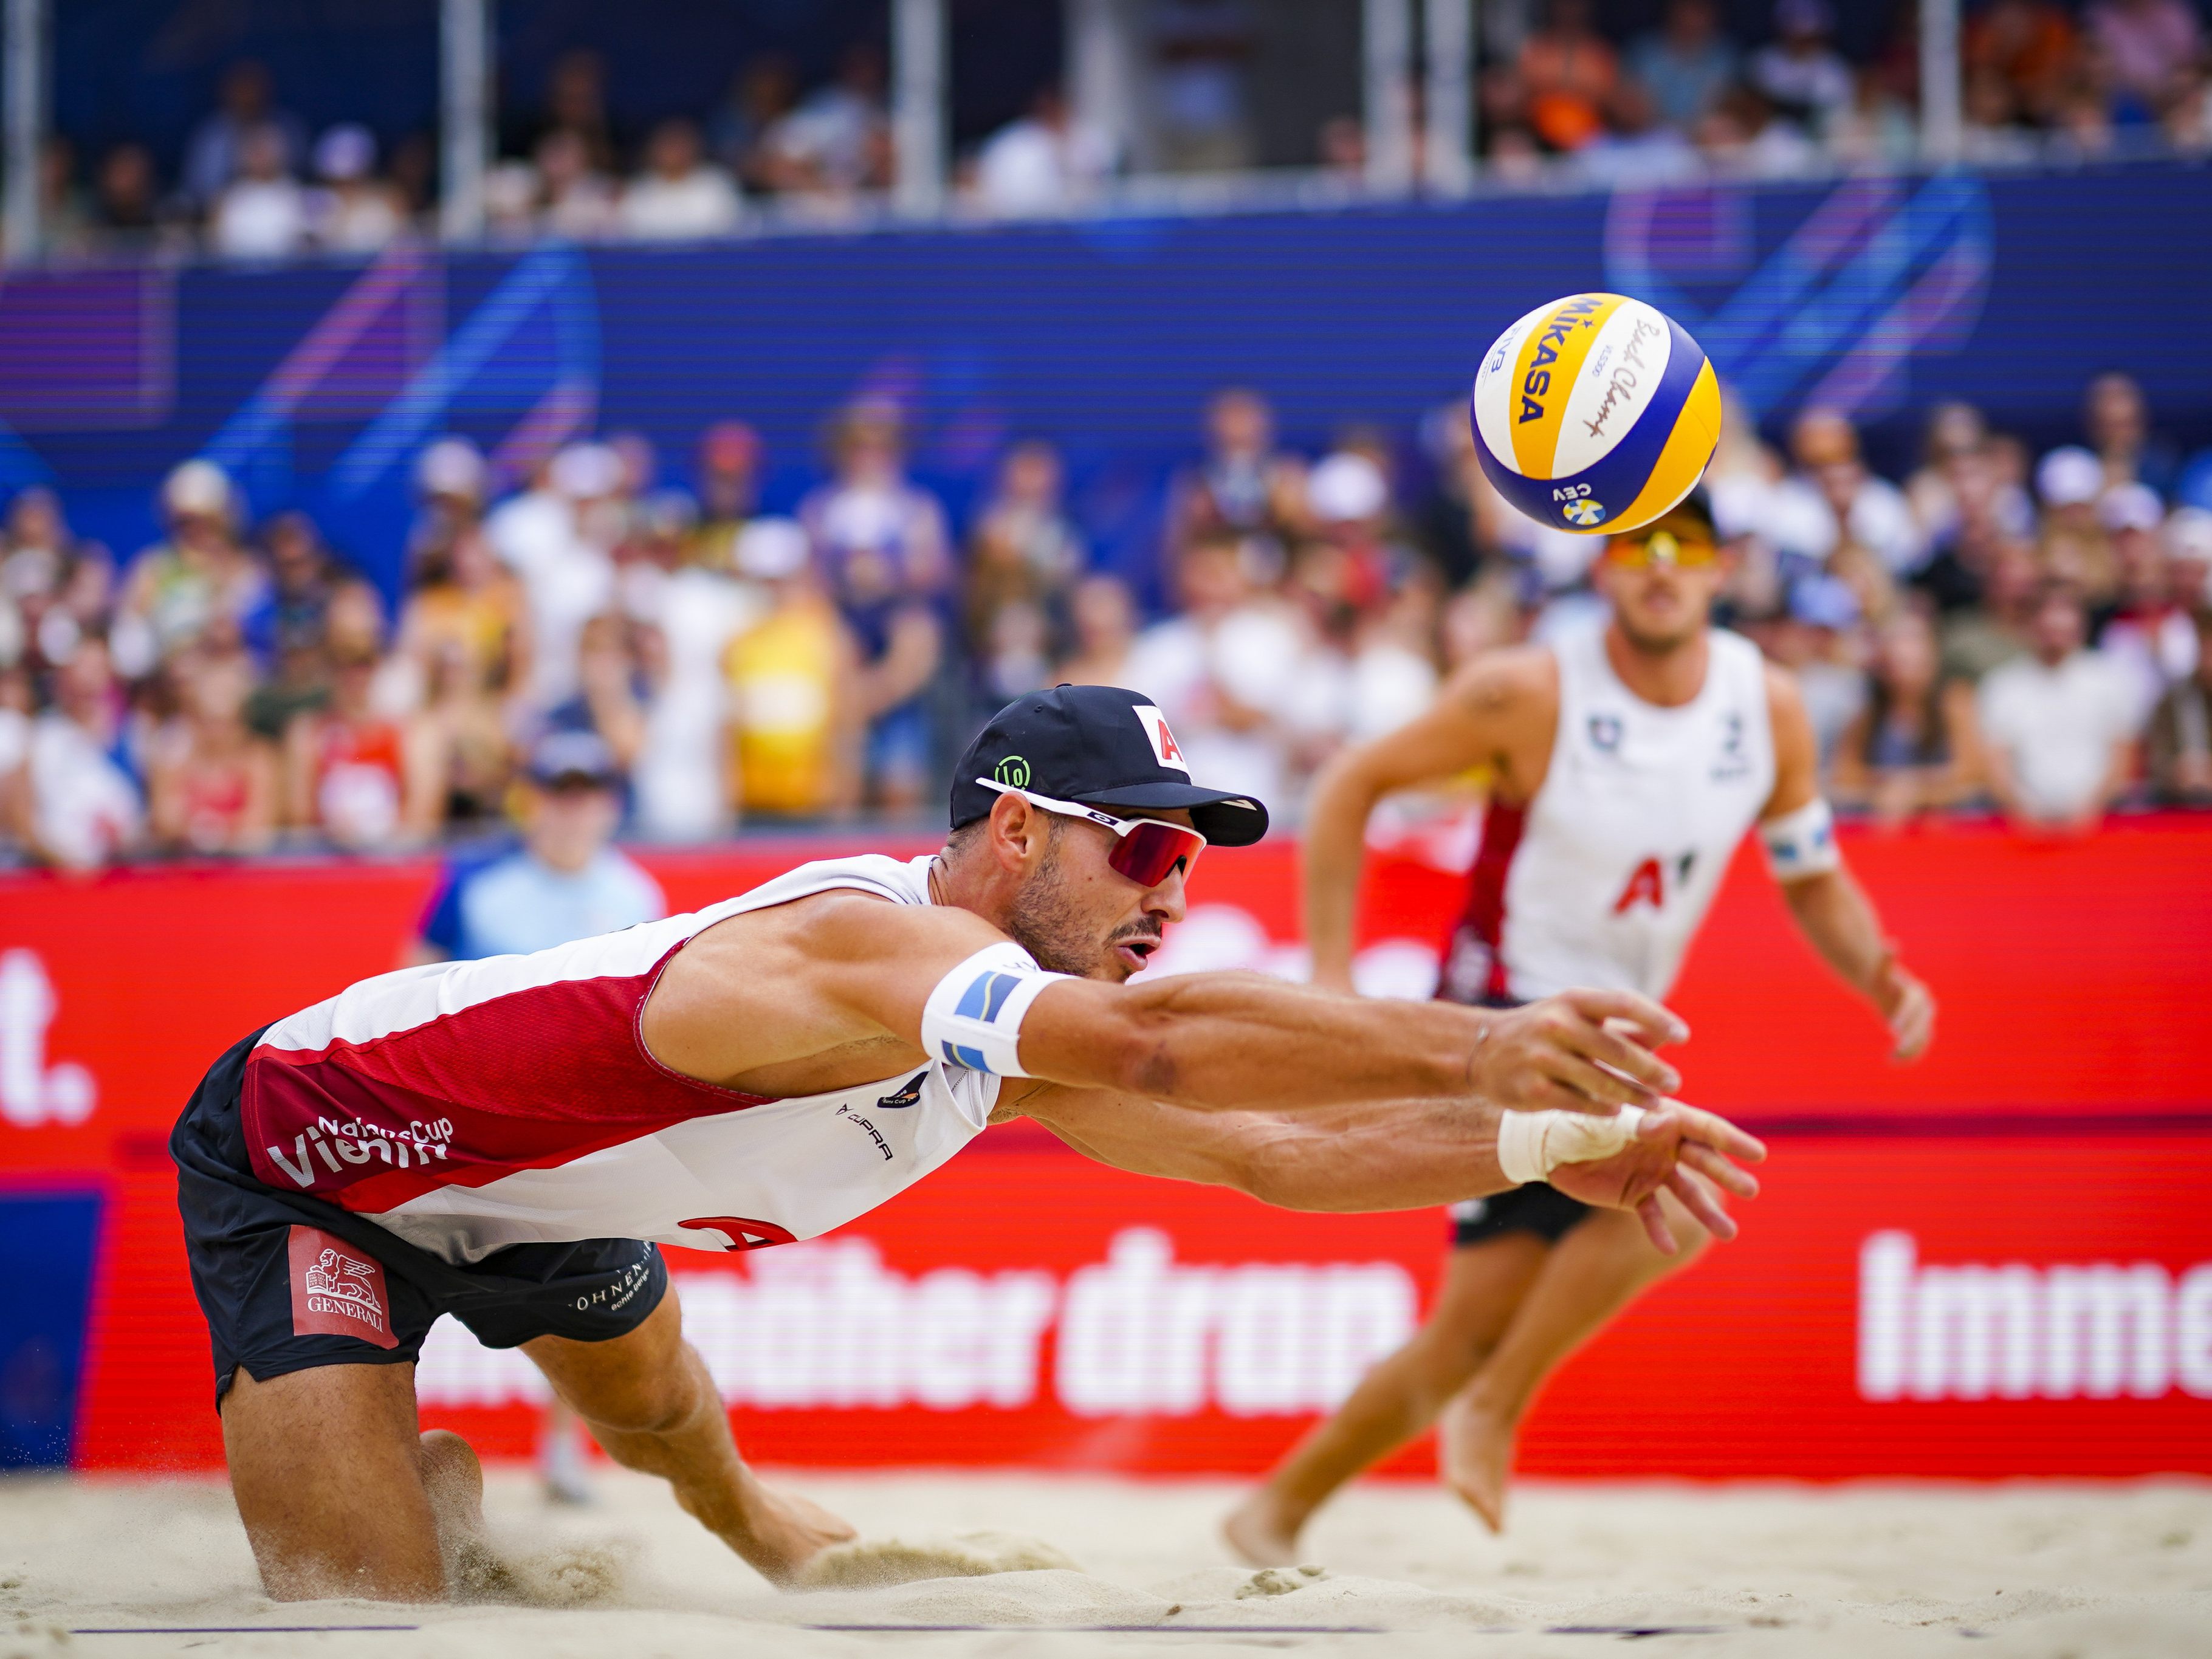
pixel 1046 922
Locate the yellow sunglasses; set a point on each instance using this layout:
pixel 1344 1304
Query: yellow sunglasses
pixel 1661 547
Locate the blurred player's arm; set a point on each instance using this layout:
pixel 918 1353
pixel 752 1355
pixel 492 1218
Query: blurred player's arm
pixel 1387 1155
pixel 1490 714
pixel 1830 910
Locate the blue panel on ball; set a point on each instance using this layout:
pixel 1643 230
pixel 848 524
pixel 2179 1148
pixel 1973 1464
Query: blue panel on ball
pixel 1616 481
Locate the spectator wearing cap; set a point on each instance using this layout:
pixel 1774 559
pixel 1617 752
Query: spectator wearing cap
pixel 681 195
pixel 2178 744
pixel 2070 482
pixel 200 576
pixel 451 482
pixel 1686 62
pixel 1801 73
pixel 2056 725
pixel 302 577
pixel 1912 748
pixel 883 553
pixel 2148 634
pixel 794 680
pixel 1818 638
pixel 353 212
pixel 566 880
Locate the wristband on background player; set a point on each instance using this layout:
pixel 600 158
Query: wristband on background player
pixel 1802 843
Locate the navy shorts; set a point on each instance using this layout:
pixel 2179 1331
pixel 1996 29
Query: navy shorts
pixel 1539 1208
pixel 289 1282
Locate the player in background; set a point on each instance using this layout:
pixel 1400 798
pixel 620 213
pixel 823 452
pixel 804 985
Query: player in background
pixel 566 881
pixel 1627 764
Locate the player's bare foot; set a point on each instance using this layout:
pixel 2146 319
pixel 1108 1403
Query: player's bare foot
pixel 1259 1532
pixel 1474 1455
pixel 454 1479
pixel 784 1532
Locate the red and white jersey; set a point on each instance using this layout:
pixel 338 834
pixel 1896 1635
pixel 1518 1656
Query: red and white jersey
pixel 1603 880
pixel 468 1106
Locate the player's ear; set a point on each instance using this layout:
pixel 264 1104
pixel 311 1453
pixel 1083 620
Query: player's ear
pixel 1017 833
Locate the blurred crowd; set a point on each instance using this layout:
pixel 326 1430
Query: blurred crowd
pixel 1996 630
pixel 1684 100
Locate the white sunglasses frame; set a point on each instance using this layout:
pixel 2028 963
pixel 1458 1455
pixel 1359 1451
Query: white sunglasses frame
pixel 1077 809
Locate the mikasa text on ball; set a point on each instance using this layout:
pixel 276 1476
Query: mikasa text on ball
pixel 1595 414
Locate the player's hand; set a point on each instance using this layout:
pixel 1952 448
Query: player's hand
pixel 1678 1148
pixel 1581 1051
pixel 1909 1008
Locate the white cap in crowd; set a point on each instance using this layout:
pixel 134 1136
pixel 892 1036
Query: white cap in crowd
pixel 196 488
pixel 770 549
pixel 1346 488
pixel 344 153
pixel 451 466
pixel 2069 476
pixel 584 472
pixel 2130 506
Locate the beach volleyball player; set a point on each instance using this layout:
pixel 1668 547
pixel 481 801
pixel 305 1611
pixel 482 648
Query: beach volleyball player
pixel 510 1140
pixel 1625 763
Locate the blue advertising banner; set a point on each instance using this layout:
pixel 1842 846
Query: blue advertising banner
pixel 317 384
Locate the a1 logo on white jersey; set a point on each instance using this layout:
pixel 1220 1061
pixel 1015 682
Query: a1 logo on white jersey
pixel 1164 749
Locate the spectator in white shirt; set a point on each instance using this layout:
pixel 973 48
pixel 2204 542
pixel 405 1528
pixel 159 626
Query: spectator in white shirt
pixel 84 806
pixel 263 213
pixel 680 195
pixel 555 538
pixel 578 200
pixel 1046 162
pixel 1832 500
pixel 838 141
pixel 1223 672
pixel 2056 725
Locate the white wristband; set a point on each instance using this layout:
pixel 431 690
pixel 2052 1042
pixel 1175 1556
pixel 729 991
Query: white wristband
pixel 1531 1145
pixel 1802 843
pixel 973 1016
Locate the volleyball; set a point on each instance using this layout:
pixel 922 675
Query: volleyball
pixel 1595 414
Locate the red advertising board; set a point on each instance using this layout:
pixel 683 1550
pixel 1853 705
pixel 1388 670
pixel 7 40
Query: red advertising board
pixel 1996 1263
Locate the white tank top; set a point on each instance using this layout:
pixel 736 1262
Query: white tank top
pixel 1603 880
pixel 468 1106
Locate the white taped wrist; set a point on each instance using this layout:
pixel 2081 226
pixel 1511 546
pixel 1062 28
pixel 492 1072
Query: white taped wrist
pixel 1802 843
pixel 1531 1145
pixel 973 1016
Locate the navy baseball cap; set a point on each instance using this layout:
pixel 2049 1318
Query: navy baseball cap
pixel 1096 745
pixel 561 759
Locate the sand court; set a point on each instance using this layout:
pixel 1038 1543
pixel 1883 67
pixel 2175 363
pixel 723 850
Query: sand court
pixel 2025 1569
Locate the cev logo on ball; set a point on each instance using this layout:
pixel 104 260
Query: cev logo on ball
pixel 1584 513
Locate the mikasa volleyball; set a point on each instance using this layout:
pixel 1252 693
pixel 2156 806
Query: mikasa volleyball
pixel 1595 414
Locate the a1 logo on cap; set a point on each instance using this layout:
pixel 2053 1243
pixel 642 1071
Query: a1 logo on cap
pixel 1162 740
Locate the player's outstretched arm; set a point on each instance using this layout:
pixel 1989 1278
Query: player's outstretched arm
pixel 1410 1154
pixel 1830 908
pixel 780 1001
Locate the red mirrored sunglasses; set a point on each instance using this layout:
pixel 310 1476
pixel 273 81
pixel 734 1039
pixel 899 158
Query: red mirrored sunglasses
pixel 1145 850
